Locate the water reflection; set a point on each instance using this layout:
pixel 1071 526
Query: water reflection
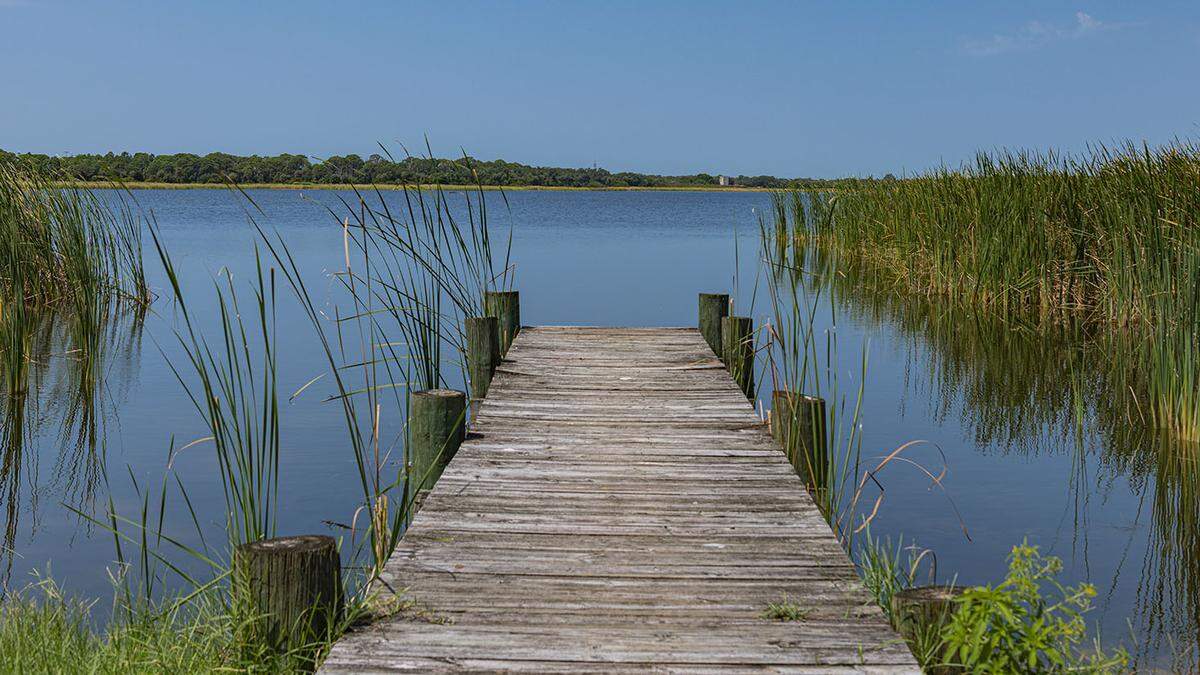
pixel 63 372
pixel 1065 389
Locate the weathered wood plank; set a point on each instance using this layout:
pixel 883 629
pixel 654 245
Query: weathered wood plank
pixel 619 507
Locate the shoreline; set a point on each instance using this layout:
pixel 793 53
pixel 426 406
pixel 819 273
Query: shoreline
pixel 148 185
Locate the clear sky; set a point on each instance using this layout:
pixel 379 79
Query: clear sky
pixel 788 88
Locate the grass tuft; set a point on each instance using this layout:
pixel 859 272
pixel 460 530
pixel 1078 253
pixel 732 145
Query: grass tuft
pixel 785 610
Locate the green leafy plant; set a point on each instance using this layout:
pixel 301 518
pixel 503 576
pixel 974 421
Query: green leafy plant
pixel 1029 623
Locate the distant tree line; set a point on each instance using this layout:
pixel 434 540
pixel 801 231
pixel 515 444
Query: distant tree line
pixel 218 167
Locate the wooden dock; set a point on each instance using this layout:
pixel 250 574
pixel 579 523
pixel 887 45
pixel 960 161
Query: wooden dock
pixel 620 507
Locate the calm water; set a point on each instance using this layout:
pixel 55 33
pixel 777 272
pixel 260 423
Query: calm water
pixel 989 399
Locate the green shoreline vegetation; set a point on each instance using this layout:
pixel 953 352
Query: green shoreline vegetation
pixel 392 187
pixel 291 170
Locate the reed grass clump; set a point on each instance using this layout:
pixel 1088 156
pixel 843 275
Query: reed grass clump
pixel 71 281
pixel 1111 238
pixel 61 243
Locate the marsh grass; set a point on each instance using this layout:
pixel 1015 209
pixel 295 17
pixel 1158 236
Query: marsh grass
pixel 1057 297
pixel 60 243
pixel 71 282
pixel 1109 238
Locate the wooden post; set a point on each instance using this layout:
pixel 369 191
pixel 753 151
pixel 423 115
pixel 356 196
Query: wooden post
pixel 920 613
pixel 290 589
pixel 483 353
pixel 798 423
pixel 713 307
pixel 436 427
pixel 737 349
pixel 506 307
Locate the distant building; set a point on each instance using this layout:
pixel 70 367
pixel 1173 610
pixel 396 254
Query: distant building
pixel 724 181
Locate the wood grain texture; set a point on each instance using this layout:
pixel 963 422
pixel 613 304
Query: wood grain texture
pixel 619 507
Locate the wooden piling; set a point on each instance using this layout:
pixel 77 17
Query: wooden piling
pixel 713 307
pixel 483 353
pixel 798 423
pixel 290 589
pixel 737 349
pixel 506 307
pixel 920 613
pixel 436 427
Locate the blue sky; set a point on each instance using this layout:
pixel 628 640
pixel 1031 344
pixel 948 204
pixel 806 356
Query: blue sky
pixel 788 88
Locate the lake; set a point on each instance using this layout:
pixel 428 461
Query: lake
pixel 1024 459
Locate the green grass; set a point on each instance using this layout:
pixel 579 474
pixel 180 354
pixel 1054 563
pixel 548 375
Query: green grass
pixel 44 630
pixel 59 243
pixel 785 610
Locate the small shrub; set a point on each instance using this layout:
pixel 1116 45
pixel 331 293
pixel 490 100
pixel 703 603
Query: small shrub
pixel 1014 628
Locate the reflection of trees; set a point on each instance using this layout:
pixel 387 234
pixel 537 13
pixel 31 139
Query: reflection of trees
pixel 59 373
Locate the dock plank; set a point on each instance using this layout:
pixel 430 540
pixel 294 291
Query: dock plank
pixel 619 507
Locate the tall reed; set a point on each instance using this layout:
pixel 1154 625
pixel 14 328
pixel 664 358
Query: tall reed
pixel 71 277
pixel 1108 238
pixel 64 243
pixel 411 276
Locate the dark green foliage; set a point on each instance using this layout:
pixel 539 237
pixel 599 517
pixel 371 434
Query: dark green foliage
pixel 1029 623
pixel 219 167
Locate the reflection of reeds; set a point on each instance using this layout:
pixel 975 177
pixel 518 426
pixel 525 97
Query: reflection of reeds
pixel 1111 238
pixel 71 276
pixel 1169 597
